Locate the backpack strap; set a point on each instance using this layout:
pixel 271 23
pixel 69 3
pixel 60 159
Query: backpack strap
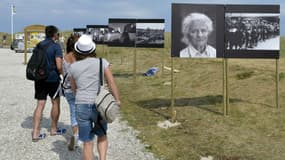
pixel 45 47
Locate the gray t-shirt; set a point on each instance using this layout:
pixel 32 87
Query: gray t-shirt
pixel 86 75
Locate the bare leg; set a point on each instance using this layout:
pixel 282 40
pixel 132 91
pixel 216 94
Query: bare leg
pixel 37 117
pixel 102 146
pixel 74 139
pixel 88 150
pixel 55 112
pixel 75 130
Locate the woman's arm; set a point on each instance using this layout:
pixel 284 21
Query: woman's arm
pixel 112 84
pixel 73 85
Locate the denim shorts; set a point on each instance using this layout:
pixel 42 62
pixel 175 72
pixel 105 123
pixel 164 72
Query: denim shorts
pixel 86 116
pixel 70 98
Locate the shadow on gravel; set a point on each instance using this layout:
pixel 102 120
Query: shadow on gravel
pixel 60 148
pixel 45 123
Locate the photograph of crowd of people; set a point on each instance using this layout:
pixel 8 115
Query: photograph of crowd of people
pixel 121 32
pixel 150 34
pixel 252 31
pixel 98 33
pixel 79 31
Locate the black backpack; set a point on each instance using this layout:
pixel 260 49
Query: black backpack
pixel 38 65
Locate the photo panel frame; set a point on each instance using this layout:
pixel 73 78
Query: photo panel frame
pixel 121 32
pixel 150 33
pixel 79 31
pixel 197 31
pixel 252 31
pixel 98 33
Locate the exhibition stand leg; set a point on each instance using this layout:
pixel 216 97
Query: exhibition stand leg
pixel 25 51
pixel 135 65
pixel 173 112
pixel 162 61
pixel 166 50
pixel 277 83
pixel 225 87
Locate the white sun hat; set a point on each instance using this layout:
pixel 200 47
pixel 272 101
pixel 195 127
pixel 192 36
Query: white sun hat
pixel 85 45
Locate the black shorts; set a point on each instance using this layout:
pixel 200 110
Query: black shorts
pixel 42 89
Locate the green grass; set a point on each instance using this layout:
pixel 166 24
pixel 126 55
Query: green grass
pixel 253 130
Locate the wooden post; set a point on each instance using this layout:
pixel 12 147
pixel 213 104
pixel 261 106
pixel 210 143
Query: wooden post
pixel 166 43
pixel 26 44
pixel 135 65
pixel 162 61
pixel 277 83
pixel 103 49
pixel 173 112
pixel 225 87
pixel 122 58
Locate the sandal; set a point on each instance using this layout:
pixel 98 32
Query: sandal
pixel 59 131
pixel 40 137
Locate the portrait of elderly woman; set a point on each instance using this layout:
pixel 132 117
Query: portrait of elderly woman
pixel 196 29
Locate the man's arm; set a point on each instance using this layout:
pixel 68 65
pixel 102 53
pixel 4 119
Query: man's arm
pixel 58 61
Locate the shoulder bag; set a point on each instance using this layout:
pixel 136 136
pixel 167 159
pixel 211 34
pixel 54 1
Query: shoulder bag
pixel 105 101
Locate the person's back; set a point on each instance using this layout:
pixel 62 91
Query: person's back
pixel 49 87
pixel 86 73
pixel 85 82
pixel 53 51
pixel 68 59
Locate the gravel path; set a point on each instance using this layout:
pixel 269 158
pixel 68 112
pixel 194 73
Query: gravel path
pixel 16 109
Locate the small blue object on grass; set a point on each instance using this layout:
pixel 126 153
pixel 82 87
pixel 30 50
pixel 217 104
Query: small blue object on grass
pixel 151 71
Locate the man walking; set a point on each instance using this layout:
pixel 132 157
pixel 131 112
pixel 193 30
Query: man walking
pixel 49 86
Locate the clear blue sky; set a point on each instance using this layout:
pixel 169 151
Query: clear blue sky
pixel 69 14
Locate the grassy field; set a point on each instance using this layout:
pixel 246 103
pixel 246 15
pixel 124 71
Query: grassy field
pixel 253 130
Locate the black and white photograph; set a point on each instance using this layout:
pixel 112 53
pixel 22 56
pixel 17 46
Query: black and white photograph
pixel 150 33
pixel 197 31
pixel 98 33
pixel 79 31
pixel 252 31
pixel 122 32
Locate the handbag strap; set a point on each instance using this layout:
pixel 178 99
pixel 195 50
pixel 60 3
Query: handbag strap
pixel 100 75
pixel 99 118
pixel 101 72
